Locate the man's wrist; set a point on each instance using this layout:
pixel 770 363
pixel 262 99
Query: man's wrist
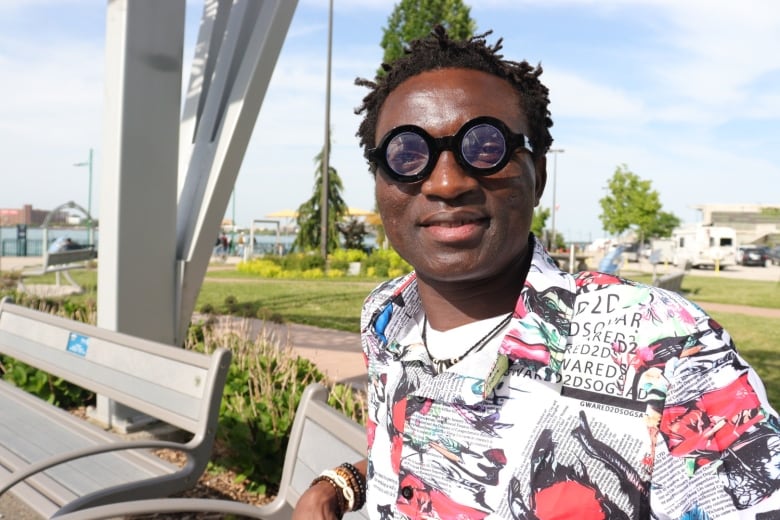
pixel 338 497
pixel 349 483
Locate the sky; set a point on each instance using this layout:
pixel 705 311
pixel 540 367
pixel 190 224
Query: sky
pixel 684 94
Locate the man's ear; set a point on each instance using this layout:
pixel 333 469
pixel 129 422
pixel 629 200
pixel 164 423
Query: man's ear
pixel 540 169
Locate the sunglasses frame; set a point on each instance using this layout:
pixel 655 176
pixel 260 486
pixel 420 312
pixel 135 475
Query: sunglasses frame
pixel 452 143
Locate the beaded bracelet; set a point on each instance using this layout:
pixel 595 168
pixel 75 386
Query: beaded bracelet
pixel 349 483
pixel 356 490
pixel 341 482
pixel 360 485
pixel 341 505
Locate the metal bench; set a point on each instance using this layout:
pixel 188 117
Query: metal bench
pixel 671 281
pixel 56 462
pixel 61 262
pixel 321 437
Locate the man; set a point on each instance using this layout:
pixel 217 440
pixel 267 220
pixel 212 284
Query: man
pixel 500 386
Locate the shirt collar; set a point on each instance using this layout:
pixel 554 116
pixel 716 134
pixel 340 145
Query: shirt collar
pixel 536 336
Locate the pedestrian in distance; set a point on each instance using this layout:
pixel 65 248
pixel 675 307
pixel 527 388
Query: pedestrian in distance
pixel 500 386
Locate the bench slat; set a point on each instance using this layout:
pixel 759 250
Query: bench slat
pixel 138 393
pixel 28 427
pixel 163 382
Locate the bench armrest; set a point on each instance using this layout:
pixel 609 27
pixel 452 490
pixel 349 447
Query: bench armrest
pixel 169 505
pixel 33 469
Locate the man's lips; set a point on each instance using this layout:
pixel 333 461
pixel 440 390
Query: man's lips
pixel 454 219
pixel 455 227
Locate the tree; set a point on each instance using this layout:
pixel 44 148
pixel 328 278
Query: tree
pixel 632 203
pixel 540 220
pixel 354 232
pixel 413 19
pixel 538 228
pixel 664 225
pixel 309 213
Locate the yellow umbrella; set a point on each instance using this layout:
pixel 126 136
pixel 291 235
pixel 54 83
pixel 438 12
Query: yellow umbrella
pixel 285 213
pixel 357 212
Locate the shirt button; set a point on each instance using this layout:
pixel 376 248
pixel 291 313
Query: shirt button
pixel 407 492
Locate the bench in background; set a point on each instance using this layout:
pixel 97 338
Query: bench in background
pixel 56 462
pixel 671 281
pixel 321 438
pixel 61 262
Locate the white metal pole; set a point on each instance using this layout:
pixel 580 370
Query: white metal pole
pixel 555 152
pixel 326 147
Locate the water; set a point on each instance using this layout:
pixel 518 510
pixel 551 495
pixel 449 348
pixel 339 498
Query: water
pixel 10 246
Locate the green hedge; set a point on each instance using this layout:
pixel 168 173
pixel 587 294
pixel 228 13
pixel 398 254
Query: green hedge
pixel 380 263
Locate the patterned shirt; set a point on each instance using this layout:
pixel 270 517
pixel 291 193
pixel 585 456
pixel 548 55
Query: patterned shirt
pixel 605 399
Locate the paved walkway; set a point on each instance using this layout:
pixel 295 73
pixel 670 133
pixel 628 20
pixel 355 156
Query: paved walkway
pixel 337 353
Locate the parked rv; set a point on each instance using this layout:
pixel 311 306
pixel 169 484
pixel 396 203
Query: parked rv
pixel 661 251
pixel 705 246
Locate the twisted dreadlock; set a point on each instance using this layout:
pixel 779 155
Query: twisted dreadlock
pixel 438 51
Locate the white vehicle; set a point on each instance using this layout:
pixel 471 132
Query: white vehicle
pixel 705 246
pixel 661 251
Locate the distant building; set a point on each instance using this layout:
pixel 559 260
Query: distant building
pixel 754 223
pixel 10 217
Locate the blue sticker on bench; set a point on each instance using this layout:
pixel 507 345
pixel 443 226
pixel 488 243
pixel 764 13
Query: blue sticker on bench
pixel 78 344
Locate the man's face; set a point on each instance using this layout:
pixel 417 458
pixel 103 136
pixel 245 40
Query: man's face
pixel 453 226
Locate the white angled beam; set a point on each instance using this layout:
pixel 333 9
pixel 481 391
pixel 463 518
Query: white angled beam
pixel 236 52
pixel 169 171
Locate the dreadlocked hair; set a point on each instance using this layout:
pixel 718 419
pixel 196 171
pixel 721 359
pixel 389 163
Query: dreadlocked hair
pixel 439 51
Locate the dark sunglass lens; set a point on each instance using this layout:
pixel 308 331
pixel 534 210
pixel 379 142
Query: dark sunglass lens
pixel 407 154
pixel 483 146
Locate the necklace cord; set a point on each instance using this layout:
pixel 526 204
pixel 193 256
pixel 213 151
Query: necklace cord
pixel 444 364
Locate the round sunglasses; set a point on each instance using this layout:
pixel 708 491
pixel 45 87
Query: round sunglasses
pixel 482 146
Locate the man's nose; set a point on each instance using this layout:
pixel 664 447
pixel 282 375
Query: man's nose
pixel 448 179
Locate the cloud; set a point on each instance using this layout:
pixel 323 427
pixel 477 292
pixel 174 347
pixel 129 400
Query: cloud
pixel 722 49
pixel 577 97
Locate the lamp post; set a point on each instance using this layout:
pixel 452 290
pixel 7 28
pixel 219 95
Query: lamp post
pixel 88 164
pixel 555 152
pixel 326 147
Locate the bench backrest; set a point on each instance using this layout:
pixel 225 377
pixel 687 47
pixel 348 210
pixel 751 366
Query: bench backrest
pixel 321 438
pixel 69 256
pixel 160 380
pixel 671 281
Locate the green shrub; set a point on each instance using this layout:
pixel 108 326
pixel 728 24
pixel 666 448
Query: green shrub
pixel 302 262
pixel 52 389
pixel 262 392
pixel 350 401
pixel 37 382
pixel 381 263
pixel 341 258
pixel 263 389
pixel 265 267
pixel 386 263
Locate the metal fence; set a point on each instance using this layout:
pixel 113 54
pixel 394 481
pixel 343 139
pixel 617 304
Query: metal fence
pixel 17 247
